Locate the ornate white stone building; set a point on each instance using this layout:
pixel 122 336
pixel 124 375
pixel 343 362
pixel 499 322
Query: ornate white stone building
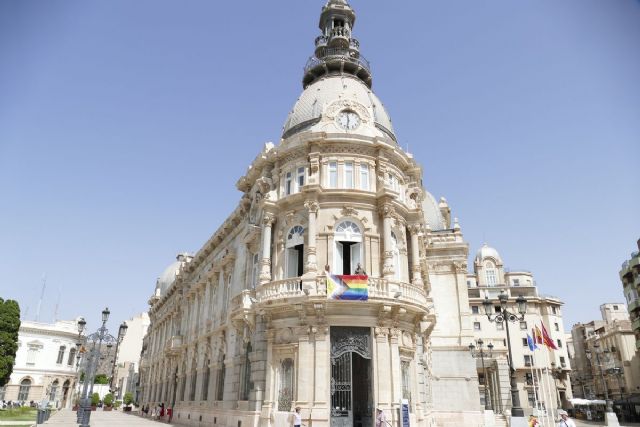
pixel 243 331
pixel 542 376
pixel 45 366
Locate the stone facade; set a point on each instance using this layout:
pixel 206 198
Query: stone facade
pixel 489 279
pixel 617 364
pixel 45 367
pixel 630 277
pixel 244 330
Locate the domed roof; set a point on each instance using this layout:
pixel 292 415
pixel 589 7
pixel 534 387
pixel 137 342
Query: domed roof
pixel 432 214
pixel 168 276
pixel 309 108
pixel 487 251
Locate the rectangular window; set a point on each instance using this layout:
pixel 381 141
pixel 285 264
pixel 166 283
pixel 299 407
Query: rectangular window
pixel 497 309
pixel 531 397
pixel 615 308
pixel 406 376
pixel 528 378
pixel 554 310
pixel 288 184
pixel 527 360
pixel 525 343
pixel 523 326
pixel 348 175
pixel 563 362
pixel 60 355
pixel 556 326
pixel 559 344
pixel 300 178
pixel 481 379
pixel 220 382
pixel 364 177
pixel 31 355
pixel 491 277
pixel 333 175
pixel 475 309
pixel 468 283
pixel 516 282
pixel 476 326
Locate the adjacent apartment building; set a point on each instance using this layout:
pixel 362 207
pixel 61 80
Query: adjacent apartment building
pixel 630 277
pixel 488 280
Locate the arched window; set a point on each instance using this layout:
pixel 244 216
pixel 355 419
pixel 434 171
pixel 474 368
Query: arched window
pixel 245 378
pixel 61 351
pixel 72 356
pixel 348 249
pixel 294 256
pixel 490 274
pixel 54 391
pixel 220 379
pixel 65 391
pixel 23 393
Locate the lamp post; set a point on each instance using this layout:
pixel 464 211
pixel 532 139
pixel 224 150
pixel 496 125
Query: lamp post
pixel 91 365
pixel 488 405
pixel 610 416
pixel 505 316
pixel 121 332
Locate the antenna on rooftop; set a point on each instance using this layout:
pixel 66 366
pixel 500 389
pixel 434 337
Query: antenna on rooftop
pixel 44 286
pixel 55 310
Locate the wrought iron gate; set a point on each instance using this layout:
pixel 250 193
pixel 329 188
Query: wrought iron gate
pixel 346 344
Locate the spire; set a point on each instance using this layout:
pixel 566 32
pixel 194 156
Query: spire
pixel 336 51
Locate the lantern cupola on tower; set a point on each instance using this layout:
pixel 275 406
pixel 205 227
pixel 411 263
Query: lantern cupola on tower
pixel 337 52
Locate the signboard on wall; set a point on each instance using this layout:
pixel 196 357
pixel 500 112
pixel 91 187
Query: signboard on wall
pixel 405 413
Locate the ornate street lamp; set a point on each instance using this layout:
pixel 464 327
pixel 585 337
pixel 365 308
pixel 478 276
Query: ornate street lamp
pixel 605 355
pixel 488 405
pixel 505 316
pixel 91 364
pixel 122 330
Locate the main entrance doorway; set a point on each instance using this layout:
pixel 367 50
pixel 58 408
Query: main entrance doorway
pixel 351 400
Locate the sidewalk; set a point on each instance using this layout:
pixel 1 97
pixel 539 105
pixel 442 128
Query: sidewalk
pixel 67 418
pixel 583 423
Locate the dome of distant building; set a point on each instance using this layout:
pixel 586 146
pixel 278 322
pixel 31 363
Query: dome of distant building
pixel 168 276
pixel 309 108
pixel 487 251
pixel 432 215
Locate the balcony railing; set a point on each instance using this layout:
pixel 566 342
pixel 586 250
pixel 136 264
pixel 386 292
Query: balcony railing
pixel 379 288
pixel 338 54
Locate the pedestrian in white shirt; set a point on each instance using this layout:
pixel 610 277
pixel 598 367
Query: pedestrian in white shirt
pixel 297 418
pixel 565 421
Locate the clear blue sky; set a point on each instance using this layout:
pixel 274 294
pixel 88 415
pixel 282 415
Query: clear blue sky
pixel 124 126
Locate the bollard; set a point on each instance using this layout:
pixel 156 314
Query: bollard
pixel 40 417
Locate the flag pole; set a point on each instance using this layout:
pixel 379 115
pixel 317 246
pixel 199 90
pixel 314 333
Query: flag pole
pixel 533 378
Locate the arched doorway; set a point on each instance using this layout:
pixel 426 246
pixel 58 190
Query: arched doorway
pixel 348 248
pixel 65 393
pixel 351 385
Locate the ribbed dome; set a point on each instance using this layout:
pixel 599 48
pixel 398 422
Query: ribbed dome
pixel 309 108
pixel 169 275
pixel 432 214
pixel 487 251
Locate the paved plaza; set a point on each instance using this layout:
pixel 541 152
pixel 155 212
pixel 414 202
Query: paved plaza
pixel 66 418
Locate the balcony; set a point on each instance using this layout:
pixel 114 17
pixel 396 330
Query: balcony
pixel 636 324
pixel 174 345
pixel 336 60
pixel 634 305
pixel 379 288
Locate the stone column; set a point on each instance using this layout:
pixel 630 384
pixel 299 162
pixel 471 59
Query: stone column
pixel 320 413
pixel 387 218
pixel 312 264
pixel 305 359
pixel 383 367
pixel 269 392
pixel 396 372
pixel 265 265
pixel 416 270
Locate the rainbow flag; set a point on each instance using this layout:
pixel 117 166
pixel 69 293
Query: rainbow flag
pixel 347 288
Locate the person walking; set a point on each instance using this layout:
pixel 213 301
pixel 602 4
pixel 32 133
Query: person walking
pixel 297 418
pixel 565 421
pixel 381 419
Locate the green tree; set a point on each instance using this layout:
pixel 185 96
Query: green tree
pixel 101 379
pixel 9 326
pixel 128 398
pixel 95 399
pixel 108 400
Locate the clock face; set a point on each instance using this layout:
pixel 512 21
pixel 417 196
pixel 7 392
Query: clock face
pixel 348 120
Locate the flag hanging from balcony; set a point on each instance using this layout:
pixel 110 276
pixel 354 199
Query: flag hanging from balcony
pixel 548 341
pixel 347 288
pixel 531 343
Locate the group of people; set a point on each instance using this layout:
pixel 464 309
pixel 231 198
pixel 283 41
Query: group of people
pixel 158 412
pixel 4 404
pixel 564 421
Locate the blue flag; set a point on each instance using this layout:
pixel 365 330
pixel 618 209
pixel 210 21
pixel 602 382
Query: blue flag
pixel 532 344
